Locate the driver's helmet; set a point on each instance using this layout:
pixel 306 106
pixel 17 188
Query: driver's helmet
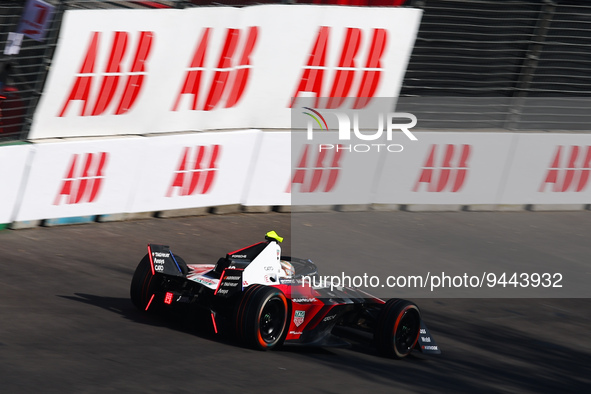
pixel 287 270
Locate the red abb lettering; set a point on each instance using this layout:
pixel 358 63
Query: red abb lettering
pixel 186 179
pixel 81 88
pixel 242 72
pixel 112 75
pixel 347 69
pixel 325 171
pixel 574 176
pixel 135 79
pixel 193 77
pixel 112 71
pixel 311 80
pixel 83 184
pixel 437 179
pixel 372 71
pixel 343 78
pixel 227 70
pixel 220 78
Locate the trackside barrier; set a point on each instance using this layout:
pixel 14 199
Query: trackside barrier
pixel 135 174
pixel 122 72
pixel 77 181
pixel 13 168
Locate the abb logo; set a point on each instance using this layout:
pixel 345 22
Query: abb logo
pixel 195 175
pixel 349 68
pixel 112 76
pixel 232 70
pixel 319 173
pixel 451 173
pixel 568 172
pixel 83 179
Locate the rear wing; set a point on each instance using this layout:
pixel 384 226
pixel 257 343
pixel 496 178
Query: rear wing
pixel 162 261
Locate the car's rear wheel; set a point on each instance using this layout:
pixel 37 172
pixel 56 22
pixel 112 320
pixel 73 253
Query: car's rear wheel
pixel 398 327
pixel 262 317
pixel 143 285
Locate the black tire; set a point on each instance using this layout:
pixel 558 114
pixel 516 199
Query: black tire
pixel 262 317
pixel 398 327
pixel 143 285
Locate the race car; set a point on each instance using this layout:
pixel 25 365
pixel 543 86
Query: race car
pixel 267 300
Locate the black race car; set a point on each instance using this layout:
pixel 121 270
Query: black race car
pixel 268 300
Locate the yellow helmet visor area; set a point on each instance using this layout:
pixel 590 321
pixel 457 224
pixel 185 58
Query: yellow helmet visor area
pixel 274 235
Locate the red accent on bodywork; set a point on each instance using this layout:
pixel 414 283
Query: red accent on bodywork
pixel 215 327
pixel 398 321
pixel 151 261
pixel 311 309
pixel 240 250
pixel 150 302
pixel 222 279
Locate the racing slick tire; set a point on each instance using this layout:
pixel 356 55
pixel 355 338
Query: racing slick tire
pixel 262 317
pixel 398 327
pixel 143 285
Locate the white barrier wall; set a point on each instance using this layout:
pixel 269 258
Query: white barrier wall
pixel 142 72
pixel 549 169
pixel 321 174
pixel 145 71
pixel 137 174
pixel 446 168
pixel 294 171
pixel 147 174
pixel 196 170
pixel 81 178
pixel 13 167
pixel 270 180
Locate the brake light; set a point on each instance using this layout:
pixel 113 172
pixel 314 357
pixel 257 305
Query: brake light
pixel 168 298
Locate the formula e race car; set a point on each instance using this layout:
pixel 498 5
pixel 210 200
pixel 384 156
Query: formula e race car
pixel 267 300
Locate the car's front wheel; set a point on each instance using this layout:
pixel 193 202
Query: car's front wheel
pixel 262 317
pixel 398 327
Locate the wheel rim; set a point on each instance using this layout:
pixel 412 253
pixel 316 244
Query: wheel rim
pixel 407 331
pixel 272 320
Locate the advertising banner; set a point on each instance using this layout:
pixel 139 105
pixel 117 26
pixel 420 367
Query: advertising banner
pixel 550 169
pixel 269 183
pixel 146 71
pixel 80 178
pixel 446 168
pixel 194 170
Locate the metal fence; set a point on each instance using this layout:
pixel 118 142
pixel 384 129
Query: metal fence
pixel 477 64
pixel 21 75
pixel 515 65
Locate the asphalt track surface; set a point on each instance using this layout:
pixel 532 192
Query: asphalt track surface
pixel 68 325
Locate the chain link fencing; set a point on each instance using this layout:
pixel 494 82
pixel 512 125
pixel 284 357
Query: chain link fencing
pixel 510 65
pixel 477 64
